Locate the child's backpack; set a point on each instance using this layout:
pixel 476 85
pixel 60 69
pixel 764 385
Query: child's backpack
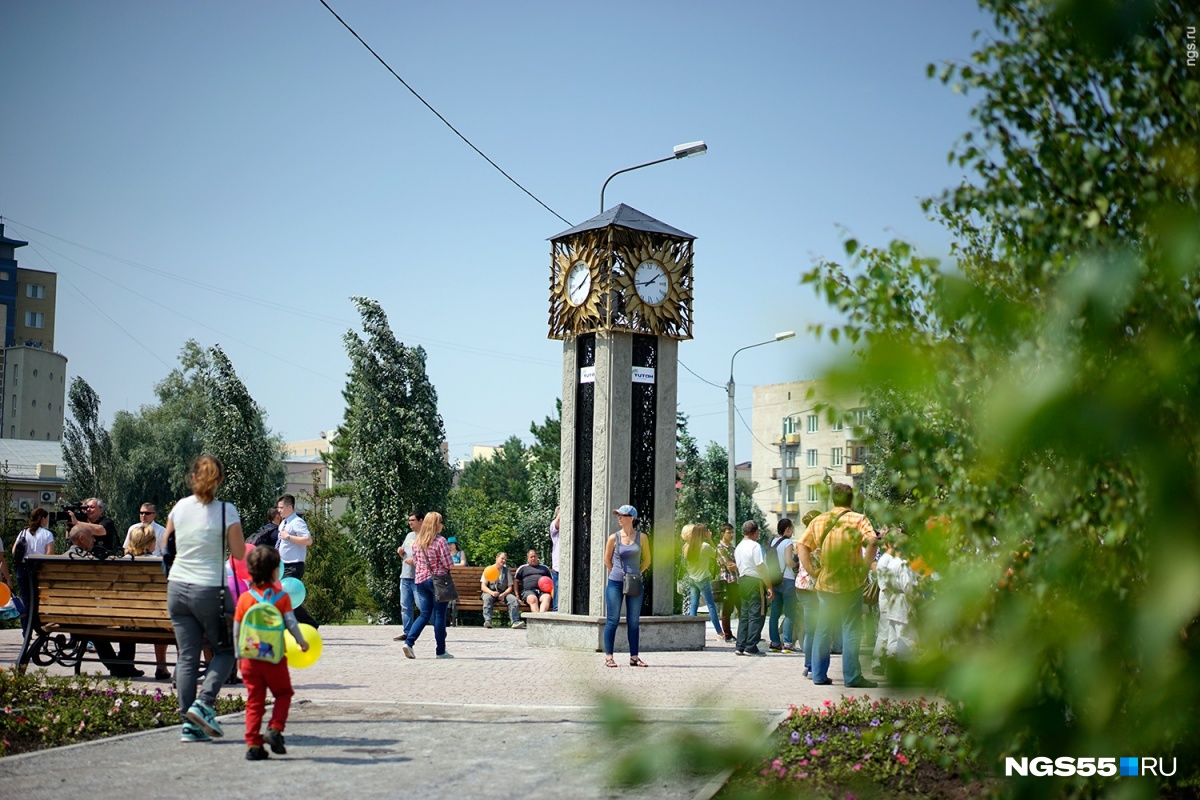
pixel 261 635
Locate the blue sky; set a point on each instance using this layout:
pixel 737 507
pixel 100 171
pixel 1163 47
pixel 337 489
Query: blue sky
pixel 241 159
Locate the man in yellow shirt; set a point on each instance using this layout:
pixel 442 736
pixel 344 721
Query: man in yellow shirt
pixel 846 542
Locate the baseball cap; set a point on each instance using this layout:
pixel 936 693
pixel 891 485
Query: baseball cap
pixel 627 511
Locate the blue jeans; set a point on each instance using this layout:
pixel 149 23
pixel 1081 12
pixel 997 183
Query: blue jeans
pixel 554 602
pixel 807 599
pixel 613 594
pixel 197 615
pixel 838 610
pixel 699 588
pixel 408 608
pixel 430 610
pixel 782 604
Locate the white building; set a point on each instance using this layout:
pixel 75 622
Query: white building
pixel 802 436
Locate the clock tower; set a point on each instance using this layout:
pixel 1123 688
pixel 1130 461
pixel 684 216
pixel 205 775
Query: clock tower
pixel 620 301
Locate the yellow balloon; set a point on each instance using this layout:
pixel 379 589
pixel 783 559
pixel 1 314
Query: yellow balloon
pixel 5 594
pixel 297 657
pixel 491 573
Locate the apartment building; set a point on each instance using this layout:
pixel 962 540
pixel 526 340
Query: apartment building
pixel 33 377
pixel 804 439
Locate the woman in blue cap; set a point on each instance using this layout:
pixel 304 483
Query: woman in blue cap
pixel 457 557
pixel 626 557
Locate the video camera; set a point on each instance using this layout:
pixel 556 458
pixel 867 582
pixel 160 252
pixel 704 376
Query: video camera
pixel 64 509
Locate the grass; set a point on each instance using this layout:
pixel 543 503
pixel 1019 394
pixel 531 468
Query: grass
pixel 39 710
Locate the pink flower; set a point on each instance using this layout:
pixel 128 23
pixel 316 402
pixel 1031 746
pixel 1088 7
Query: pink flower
pixel 814 752
pixel 856 767
pixel 828 703
pixel 776 764
pixel 901 758
pixel 804 762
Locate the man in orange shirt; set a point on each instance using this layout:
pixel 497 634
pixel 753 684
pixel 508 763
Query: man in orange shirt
pixel 840 535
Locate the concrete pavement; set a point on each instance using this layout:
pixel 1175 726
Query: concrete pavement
pixel 499 719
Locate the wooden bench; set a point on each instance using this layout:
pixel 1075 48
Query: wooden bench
pixel 470 593
pixel 76 599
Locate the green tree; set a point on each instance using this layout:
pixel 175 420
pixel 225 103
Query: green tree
pixel 392 437
pixel 546 449
pixel 504 476
pixel 1036 428
pixel 87 446
pixel 203 408
pixel 704 485
pixel 483 526
pixel 335 578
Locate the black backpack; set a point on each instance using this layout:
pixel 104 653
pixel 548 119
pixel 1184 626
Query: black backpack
pixel 774 568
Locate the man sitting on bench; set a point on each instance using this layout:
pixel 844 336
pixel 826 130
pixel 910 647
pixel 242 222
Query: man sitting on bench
pixel 120 663
pixel 527 578
pixel 500 589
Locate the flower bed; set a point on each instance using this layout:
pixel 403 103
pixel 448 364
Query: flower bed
pixel 38 710
pixel 862 747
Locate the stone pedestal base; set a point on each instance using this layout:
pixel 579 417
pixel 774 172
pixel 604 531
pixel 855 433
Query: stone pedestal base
pixel 581 632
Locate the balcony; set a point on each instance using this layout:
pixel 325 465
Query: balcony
pixel 785 473
pixel 788 439
pixel 788 508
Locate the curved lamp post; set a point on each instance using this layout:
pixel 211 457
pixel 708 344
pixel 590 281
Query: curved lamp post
pixel 729 389
pixel 681 151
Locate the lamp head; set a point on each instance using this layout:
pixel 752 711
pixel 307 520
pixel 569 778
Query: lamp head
pixel 690 149
pixel 779 337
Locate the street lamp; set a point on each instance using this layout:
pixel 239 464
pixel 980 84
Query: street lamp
pixel 729 389
pixel 681 151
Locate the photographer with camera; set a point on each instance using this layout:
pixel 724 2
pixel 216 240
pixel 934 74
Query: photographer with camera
pixel 93 509
pixel 85 538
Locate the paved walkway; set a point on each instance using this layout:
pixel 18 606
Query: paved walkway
pixel 500 719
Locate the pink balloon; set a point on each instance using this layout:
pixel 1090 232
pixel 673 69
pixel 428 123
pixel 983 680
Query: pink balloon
pixel 546 584
pixel 239 568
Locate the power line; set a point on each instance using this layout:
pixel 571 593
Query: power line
pixel 710 383
pixel 424 102
pixel 104 313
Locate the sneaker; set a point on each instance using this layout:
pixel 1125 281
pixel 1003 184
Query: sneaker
pixel 739 652
pixel 754 651
pixel 806 673
pixel 863 683
pixel 193 733
pixel 787 648
pixel 487 624
pixel 408 653
pixel 443 655
pixel 274 739
pixel 206 718
pixel 518 625
pixel 826 682
pixel 774 648
pixel 162 674
pixel 258 753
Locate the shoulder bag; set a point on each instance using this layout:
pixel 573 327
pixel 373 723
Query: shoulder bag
pixel 631 586
pixel 443 587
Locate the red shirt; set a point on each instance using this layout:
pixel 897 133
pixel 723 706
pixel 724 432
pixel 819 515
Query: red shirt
pixel 434 561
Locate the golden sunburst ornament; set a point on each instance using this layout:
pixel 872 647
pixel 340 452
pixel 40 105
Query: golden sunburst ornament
pixel 574 288
pixel 656 286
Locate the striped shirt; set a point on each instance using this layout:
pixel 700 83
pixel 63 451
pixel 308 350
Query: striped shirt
pixel 434 561
pixel 843 568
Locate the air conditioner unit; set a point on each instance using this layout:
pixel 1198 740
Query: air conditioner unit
pixel 49 497
pixel 25 506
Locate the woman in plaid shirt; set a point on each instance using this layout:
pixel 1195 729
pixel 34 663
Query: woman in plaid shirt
pixel 729 597
pixel 430 556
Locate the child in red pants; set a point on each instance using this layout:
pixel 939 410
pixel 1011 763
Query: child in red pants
pixel 262 564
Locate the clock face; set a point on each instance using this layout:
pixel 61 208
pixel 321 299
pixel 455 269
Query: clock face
pixel 650 282
pixel 579 283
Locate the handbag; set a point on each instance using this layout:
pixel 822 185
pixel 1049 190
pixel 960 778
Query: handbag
pixel 870 592
pixel 443 589
pixel 631 584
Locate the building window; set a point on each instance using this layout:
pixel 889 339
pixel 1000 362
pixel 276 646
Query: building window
pixel 860 417
pixel 812 493
pixel 837 426
pixel 3 274
pixel 34 319
pixel 836 456
pixel 812 423
pixel 35 373
pixel 860 453
pixel 810 458
pixel 789 425
pixel 789 458
pixel 791 493
pixel 35 290
pixel 32 433
pixel 34 402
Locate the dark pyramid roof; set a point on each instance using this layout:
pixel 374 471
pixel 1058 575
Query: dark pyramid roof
pixel 626 217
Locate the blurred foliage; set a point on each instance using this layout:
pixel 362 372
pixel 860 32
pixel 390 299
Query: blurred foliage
pixel 1034 412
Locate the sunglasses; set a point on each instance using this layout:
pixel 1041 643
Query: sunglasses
pixel 143 513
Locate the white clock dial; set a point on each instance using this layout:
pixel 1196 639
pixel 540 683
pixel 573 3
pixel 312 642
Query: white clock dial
pixel 651 282
pixel 579 283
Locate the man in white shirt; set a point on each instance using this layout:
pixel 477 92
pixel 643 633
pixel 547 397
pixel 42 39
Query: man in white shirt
pixel 408 601
pixel 294 541
pixel 147 517
pixel 752 580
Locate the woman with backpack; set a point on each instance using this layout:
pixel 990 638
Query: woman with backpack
pixel 198 529
pixel 34 539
